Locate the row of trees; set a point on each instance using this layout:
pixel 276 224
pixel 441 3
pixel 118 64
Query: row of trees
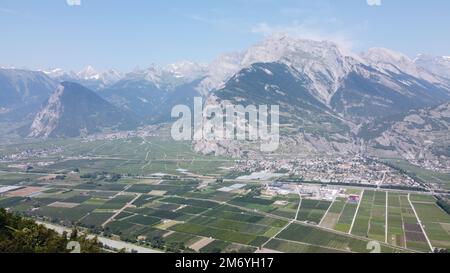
pixel 444 203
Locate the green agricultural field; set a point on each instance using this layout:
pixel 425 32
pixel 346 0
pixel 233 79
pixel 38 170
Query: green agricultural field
pixel 403 226
pixel 436 222
pixel 95 219
pixel 191 202
pixel 254 203
pixel 160 213
pixel 70 215
pixel 231 225
pixel 119 227
pixel 143 220
pixel 131 232
pixel 431 213
pixel 101 186
pixel 217 246
pixel 7 179
pixel 129 156
pixel 396 234
pixel 288 211
pixel 221 234
pixel 117 202
pixel 9 202
pixel 177 211
pixel 186 239
pixel 370 220
pixel 140 188
pixel 340 215
pixel 422 198
pixel 158 205
pixel 211 194
pixel 144 200
pixel 192 210
pixel 246 217
pixel 313 210
pixel 323 238
pixel 332 217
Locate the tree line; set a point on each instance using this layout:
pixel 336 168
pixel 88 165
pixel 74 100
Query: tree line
pixel 21 235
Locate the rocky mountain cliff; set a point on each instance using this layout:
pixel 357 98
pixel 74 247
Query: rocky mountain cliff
pixel 73 110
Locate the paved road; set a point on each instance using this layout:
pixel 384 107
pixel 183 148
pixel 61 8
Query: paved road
pixel 123 208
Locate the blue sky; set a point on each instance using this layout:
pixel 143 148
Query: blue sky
pixel 125 34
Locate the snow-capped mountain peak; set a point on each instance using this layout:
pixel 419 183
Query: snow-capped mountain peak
pixel 396 62
pixel 170 76
pixel 89 73
pixel 88 76
pixel 306 56
pixel 187 69
pixel 284 46
pixel 111 76
pixel 53 72
pixel 390 60
pixel 383 55
pixel 152 73
pixel 439 65
pixel 325 63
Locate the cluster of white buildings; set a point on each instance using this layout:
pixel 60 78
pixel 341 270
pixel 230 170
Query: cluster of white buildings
pixel 30 154
pixel 355 170
pixel 316 192
pixel 149 131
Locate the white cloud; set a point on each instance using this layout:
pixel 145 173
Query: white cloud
pixel 374 2
pixel 73 2
pixel 8 11
pixel 18 13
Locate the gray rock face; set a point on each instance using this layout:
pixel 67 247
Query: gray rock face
pixel 74 111
pixel 326 93
pixel 422 134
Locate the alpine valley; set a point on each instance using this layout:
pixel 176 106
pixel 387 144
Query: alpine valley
pixel 331 100
pixel 363 158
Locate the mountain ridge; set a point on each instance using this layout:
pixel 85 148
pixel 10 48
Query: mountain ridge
pixel 327 93
pixel 74 110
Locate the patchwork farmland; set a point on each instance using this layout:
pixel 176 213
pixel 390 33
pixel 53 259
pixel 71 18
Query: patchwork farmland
pixel 189 209
pixel 370 219
pixel 313 210
pixel 435 221
pixel 404 228
pixel 182 218
pixel 340 216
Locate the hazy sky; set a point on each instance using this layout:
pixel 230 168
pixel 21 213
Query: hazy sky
pixel 127 33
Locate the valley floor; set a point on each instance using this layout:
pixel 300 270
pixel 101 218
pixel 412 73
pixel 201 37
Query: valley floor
pixel 156 195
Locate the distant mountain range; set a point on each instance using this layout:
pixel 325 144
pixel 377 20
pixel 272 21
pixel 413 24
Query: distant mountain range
pixel 330 98
pixel 439 65
pixel 22 93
